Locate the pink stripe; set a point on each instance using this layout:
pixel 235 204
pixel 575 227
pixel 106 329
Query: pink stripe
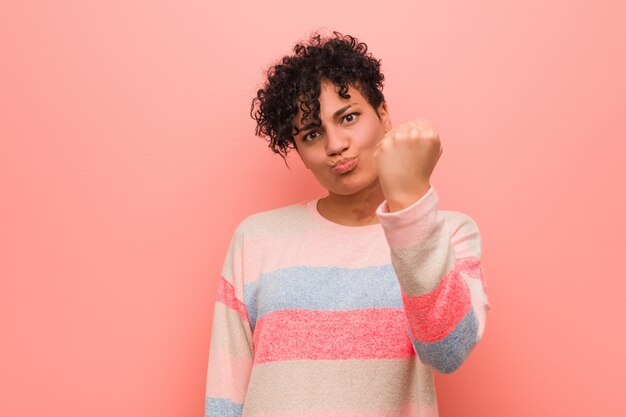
pixel 434 315
pixel 472 267
pixel 226 295
pixel 375 333
pixel 412 410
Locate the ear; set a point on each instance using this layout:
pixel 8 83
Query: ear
pixel 383 113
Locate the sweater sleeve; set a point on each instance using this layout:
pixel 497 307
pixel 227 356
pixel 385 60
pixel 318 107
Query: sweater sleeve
pixel 437 263
pixel 231 350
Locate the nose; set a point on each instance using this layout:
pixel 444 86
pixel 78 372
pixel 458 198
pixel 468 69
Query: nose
pixel 337 141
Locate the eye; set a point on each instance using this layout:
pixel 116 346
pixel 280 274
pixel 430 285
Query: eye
pixel 352 117
pixel 310 136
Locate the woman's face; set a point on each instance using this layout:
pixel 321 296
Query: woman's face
pixel 350 130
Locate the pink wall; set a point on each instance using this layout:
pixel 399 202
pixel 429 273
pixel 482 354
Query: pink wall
pixel 127 158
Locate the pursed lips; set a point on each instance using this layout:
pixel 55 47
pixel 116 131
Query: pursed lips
pixel 342 161
pixel 345 166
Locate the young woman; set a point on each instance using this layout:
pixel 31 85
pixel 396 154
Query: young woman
pixel 344 305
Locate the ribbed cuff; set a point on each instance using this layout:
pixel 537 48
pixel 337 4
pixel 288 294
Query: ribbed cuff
pixel 411 224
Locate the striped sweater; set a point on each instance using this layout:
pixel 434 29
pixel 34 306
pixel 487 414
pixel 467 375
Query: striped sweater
pixel 317 319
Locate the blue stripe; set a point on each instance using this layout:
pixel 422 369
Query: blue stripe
pixel 221 407
pixel 322 288
pixel 447 354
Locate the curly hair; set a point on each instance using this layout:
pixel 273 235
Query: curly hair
pixel 294 83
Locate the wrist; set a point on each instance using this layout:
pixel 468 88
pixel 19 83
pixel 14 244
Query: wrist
pixel 399 201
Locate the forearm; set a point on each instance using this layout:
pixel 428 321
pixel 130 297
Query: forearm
pixel 438 286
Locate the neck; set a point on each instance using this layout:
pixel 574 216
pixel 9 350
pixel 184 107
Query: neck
pixel 358 209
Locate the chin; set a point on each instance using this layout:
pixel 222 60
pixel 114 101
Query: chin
pixel 352 183
pixel 347 190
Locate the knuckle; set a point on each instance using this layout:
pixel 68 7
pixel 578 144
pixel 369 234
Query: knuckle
pixel 385 144
pixel 430 134
pixel 402 134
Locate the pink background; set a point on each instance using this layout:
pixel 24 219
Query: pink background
pixel 127 158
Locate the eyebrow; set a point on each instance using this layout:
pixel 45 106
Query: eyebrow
pixel 335 116
pixel 341 111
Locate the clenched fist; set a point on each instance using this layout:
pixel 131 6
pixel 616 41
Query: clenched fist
pixel 406 157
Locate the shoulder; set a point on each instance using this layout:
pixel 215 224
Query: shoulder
pixel 275 222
